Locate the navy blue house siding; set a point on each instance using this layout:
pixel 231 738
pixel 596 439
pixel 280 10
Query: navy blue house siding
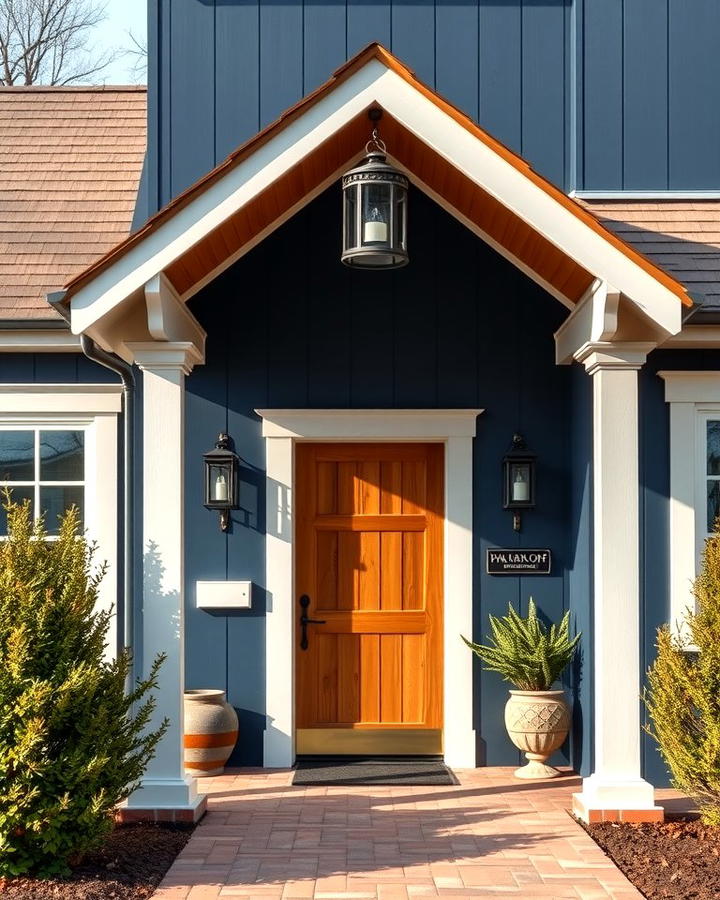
pixel 596 94
pixel 289 326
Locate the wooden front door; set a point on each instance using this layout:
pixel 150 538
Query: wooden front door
pixel 369 539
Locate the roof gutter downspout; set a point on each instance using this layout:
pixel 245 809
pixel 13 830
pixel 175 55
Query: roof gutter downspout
pixel 125 624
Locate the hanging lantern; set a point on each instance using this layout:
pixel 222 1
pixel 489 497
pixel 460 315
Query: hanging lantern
pixel 374 211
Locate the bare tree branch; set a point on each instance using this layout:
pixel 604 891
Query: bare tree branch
pixel 47 41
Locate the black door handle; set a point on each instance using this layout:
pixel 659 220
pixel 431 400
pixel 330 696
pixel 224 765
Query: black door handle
pixel 305 621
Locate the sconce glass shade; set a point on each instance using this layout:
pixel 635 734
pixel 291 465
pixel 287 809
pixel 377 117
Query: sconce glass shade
pixel 519 476
pixel 221 476
pixel 375 215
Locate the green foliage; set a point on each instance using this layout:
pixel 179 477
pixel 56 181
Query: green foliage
pixel 524 652
pixel 72 744
pixel 683 694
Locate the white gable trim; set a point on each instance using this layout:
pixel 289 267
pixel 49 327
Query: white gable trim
pixel 374 83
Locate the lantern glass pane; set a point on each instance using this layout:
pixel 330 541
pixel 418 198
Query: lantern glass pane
pixel 399 236
pixel 219 483
pixel 376 213
pixel 520 483
pixel 350 194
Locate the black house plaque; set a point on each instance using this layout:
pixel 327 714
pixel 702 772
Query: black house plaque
pixel 518 562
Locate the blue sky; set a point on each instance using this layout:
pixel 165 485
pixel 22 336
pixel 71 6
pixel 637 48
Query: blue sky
pixel 122 16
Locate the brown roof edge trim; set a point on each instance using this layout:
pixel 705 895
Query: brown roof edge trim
pixel 377 51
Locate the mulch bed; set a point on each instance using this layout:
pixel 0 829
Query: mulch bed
pixel 129 867
pixel 680 858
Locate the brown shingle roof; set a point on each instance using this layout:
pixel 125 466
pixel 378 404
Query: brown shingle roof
pixel 70 163
pixel 682 236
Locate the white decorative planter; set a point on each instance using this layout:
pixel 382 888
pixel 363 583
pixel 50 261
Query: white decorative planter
pixel 537 722
pixel 211 730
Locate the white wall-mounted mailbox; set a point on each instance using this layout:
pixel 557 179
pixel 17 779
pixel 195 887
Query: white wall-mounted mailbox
pixel 223 594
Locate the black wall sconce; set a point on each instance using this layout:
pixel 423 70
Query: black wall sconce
pixel 518 479
pixel 221 479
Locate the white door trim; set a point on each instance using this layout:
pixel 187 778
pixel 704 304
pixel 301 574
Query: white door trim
pixel 455 428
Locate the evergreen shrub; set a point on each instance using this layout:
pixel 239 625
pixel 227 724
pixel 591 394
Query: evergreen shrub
pixel 72 743
pixel 683 693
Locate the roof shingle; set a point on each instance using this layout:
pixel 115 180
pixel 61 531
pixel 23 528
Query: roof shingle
pixel 682 236
pixel 70 164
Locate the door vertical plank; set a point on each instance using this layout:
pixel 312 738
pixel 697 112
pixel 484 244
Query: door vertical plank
pixel 327 488
pixel 327 570
pixel 369 571
pixel 325 648
pixel 348 564
pixel 390 678
pixel 413 679
pixel 413 570
pixel 391 570
pixel 346 488
pixel 369 678
pixel 369 477
pixel 413 486
pixel 391 487
pixel 348 678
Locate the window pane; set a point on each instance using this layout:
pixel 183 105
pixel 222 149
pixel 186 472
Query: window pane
pixel 713 504
pixel 18 495
pixel 61 456
pixel 713 448
pixel 55 501
pixel 17 451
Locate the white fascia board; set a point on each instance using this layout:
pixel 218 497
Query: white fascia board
pixel 38 341
pixel 527 200
pixel 226 196
pixel 697 337
pixel 69 399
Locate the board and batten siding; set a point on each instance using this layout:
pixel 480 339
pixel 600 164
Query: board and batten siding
pixel 289 326
pixel 595 94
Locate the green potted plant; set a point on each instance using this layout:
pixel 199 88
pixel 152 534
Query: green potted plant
pixel 533 658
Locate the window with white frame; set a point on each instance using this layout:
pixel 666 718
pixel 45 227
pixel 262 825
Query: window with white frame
pixel 694 400
pixel 45 466
pixel 58 448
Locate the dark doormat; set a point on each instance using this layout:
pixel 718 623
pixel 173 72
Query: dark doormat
pixel 349 771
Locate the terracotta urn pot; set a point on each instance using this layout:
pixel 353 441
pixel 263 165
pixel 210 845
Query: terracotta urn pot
pixel 211 730
pixel 537 722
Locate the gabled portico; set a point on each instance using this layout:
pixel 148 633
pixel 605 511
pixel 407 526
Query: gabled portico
pixel 134 302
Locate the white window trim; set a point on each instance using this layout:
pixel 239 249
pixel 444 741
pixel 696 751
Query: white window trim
pixel 93 408
pixel 694 397
pixel 455 428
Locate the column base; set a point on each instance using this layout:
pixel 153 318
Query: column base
pixel 187 815
pixel 164 800
pixel 616 800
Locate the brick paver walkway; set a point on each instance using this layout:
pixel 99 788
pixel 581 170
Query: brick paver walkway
pixel 492 835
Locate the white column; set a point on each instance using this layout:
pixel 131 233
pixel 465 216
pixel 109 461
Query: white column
pixel 458 734
pixel 616 784
pixel 279 746
pixel 165 365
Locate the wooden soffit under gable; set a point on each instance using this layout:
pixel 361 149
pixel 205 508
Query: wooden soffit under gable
pixel 496 217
